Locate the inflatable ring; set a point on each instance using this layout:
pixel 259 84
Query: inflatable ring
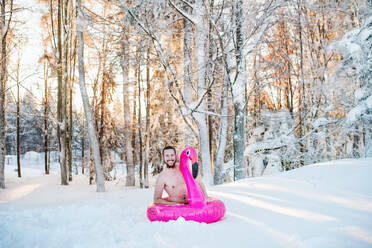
pixel 197 209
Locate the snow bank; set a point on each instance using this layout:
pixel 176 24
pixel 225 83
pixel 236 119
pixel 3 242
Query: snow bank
pixel 32 160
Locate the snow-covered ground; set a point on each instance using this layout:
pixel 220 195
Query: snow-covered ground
pixel 325 205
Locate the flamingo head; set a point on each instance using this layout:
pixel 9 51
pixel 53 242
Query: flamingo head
pixel 188 158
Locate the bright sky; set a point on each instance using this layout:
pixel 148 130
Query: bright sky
pixel 30 47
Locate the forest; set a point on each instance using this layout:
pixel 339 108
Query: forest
pixel 185 123
pixel 256 86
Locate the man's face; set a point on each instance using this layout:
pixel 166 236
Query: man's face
pixel 170 158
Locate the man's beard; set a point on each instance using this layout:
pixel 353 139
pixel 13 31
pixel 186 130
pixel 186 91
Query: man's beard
pixel 171 166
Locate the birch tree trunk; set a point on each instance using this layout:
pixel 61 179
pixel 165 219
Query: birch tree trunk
pixel 187 73
pixel 238 92
pixel 92 131
pixel 218 165
pixel 200 116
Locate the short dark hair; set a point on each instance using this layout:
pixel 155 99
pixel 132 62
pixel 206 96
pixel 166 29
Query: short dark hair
pixel 169 148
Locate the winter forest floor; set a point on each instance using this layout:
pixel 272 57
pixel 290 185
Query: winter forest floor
pixel 323 205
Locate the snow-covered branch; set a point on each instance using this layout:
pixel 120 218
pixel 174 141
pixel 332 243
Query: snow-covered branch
pixel 164 60
pixel 6 28
pixel 183 13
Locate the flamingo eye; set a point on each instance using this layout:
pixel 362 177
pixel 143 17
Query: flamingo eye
pixel 188 152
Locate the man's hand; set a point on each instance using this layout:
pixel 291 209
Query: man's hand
pixel 166 202
pixel 201 184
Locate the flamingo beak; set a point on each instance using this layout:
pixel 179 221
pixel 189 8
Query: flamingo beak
pixel 192 162
pixel 194 165
pixel 195 169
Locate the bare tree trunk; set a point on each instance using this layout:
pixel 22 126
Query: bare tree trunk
pixel 71 76
pixel 18 124
pixel 91 167
pixel 83 148
pixel 69 137
pixel 70 130
pixel 134 124
pixel 103 142
pixel 139 123
pixel 67 87
pixel 356 143
pixel 238 91
pixel 302 109
pixel 148 110
pixel 3 78
pixel 210 80
pixel 130 178
pixel 218 169
pixel 2 96
pixel 102 130
pixel 46 129
pixel 72 82
pixel 187 73
pixel 61 128
pixel 200 116
pixel 92 131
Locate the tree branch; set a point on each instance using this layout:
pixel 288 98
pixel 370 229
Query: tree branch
pixel 166 65
pixel 187 16
pixel 188 4
pixel 10 18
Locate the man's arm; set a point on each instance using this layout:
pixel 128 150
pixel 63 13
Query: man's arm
pixel 166 202
pixel 159 192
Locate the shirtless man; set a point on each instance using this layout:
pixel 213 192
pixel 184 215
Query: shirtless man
pixel 171 180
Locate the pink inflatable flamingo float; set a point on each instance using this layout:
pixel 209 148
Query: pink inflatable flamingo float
pixel 197 209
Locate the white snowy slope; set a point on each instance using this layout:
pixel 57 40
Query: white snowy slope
pixel 324 205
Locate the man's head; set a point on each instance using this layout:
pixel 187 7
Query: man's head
pixel 169 156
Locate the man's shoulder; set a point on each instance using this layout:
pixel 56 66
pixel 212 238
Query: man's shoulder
pixel 161 175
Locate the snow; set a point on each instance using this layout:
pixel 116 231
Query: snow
pixel 353 48
pixel 359 110
pixel 33 159
pixel 277 142
pixel 365 34
pixel 356 48
pixel 320 122
pixel 321 205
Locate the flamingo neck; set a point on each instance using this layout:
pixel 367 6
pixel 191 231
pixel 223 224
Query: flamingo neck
pixel 194 192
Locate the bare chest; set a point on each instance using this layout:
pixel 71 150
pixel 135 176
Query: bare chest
pixel 175 186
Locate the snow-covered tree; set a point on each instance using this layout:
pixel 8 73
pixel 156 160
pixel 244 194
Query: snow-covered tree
pixel 356 48
pixel 6 10
pixel 92 131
